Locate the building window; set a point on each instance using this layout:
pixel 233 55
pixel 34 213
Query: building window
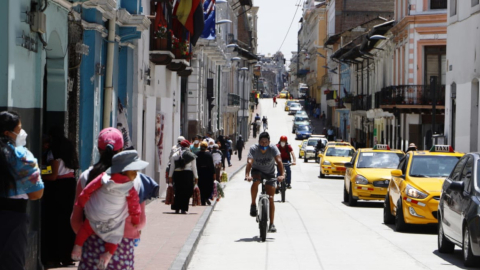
pixel 435 63
pixel 453 7
pixel 475 2
pixel 438 4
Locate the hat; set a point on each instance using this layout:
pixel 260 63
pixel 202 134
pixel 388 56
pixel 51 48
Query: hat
pixel 180 139
pixel 240 136
pixel 204 145
pixel 412 145
pixel 126 161
pixel 185 143
pixel 110 136
pixel 215 146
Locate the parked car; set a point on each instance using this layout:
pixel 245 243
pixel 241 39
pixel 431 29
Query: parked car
pixel 301 148
pixel 294 107
pixel 289 102
pixel 283 94
pixel 303 132
pixel 414 190
pixel 459 208
pixel 310 150
pixel 301 113
pixel 368 174
pixel 300 121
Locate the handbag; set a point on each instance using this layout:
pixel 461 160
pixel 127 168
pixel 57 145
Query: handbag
pixel 170 198
pixel 196 200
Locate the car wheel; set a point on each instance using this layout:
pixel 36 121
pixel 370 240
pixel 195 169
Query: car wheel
pixel 468 258
pixel 345 193
pixel 444 245
pixel 400 225
pixel 351 200
pixel 299 156
pixel 305 160
pixel 321 174
pixel 388 218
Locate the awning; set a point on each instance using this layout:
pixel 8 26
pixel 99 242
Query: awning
pixel 380 29
pixel 245 53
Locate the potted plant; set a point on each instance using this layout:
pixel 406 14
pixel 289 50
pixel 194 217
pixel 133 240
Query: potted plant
pixel 161 37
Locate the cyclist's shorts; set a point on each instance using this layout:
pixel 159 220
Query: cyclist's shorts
pixel 258 175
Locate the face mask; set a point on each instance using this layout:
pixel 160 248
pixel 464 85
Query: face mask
pixel 195 142
pixel 263 147
pixel 282 144
pixel 21 139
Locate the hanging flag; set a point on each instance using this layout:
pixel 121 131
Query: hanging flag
pixel 197 20
pixel 209 29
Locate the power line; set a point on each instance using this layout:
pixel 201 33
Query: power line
pixel 298 5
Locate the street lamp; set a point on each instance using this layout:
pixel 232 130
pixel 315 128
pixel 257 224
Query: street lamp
pixel 243 121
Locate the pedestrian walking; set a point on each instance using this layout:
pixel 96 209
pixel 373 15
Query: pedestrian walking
pixel 240 146
pixel 330 134
pixel 58 200
pixel 108 200
pixel 109 143
pixel 217 160
pixel 183 175
pixel 195 147
pixel 230 149
pixel 274 101
pixel 206 173
pixel 20 181
pixel 265 123
pixel 254 129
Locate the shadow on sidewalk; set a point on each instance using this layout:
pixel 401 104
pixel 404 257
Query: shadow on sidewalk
pixel 253 239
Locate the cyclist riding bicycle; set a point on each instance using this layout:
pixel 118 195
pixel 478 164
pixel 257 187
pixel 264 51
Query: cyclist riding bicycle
pixel 287 155
pixel 261 161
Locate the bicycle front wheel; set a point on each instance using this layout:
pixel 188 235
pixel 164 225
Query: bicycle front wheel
pixel 263 222
pixel 283 189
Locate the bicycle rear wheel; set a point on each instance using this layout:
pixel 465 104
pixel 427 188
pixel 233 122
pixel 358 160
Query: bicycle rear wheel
pixel 283 189
pixel 263 222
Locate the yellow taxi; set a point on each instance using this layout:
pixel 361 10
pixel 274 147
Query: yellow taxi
pixel 333 159
pixel 301 148
pixel 283 94
pixel 415 187
pixel 290 101
pixel 368 174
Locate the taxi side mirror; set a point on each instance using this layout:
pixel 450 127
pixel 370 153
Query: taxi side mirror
pixel 348 165
pixel 397 173
pixel 320 155
pixel 299 145
pixel 457 186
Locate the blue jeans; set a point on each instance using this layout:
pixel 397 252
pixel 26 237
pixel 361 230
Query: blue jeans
pixel 288 173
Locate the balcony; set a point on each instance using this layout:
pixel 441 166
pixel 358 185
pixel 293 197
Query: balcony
pixel 362 103
pixel 409 97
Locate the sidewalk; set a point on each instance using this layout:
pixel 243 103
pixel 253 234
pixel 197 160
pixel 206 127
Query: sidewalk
pixel 169 240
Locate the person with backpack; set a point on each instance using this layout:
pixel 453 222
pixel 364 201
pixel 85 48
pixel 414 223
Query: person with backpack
pixel 265 123
pixel 287 155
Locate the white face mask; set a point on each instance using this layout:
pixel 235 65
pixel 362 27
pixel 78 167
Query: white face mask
pixel 195 142
pixel 282 144
pixel 21 139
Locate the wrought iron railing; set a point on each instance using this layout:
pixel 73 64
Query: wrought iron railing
pixel 233 100
pixel 330 95
pixel 409 95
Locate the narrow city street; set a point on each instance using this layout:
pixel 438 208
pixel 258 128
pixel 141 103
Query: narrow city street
pixel 316 230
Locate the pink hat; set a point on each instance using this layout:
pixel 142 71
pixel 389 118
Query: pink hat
pixel 110 136
pixel 185 143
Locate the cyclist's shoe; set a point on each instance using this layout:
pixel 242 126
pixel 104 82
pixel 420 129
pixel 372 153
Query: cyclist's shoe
pixel 253 211
pixel 272 228
pixel 289 186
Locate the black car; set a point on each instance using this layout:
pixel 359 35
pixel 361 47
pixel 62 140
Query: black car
pixel 459 210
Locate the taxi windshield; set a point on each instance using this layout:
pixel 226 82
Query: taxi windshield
pixel 379 160
pixel 294 105
pixel 312 142
pixel 339 152
pixel 432 166
pixel 300 118
pixel 303 128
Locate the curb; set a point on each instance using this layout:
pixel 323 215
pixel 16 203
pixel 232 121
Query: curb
pixel 185 255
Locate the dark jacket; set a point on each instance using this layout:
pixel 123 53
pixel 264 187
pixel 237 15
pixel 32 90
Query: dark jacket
pixel 240 144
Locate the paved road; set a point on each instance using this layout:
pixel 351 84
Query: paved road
pixel 315 229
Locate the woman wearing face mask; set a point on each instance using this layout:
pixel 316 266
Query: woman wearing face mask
pixel 20 181
pixel 195 147
pixel 287 155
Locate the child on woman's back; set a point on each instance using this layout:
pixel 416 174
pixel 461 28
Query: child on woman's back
pixel 108 200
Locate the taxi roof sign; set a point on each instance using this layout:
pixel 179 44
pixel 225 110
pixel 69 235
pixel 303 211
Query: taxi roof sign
pixel 442 148
pixel 381 147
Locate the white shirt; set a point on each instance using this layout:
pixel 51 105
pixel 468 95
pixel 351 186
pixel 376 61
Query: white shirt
pixel 62 170
pixel 191 166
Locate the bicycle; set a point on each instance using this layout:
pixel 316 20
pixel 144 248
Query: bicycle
pixel 263 210
pixel 283 184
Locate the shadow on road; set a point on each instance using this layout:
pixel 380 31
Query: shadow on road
pixel 366 204
pixel 173 213
pixel 253 239
pixel 331 178
pixel 456 258
pixel 417 229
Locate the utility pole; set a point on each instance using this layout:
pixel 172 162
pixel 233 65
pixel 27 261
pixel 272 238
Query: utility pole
pixel 433 90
